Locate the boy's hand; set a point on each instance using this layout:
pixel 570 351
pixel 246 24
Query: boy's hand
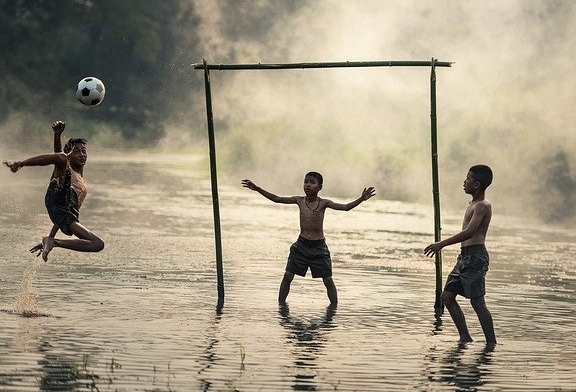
pixel 432 249
pixel 249 184
pixel 14 166
pixel 58 127
pixel 368 193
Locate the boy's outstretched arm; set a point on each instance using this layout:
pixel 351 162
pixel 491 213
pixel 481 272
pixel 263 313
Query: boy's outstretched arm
pixel 269 195
pixel 434 248
pixel 39 160
pixel 468 232
pixel 366 194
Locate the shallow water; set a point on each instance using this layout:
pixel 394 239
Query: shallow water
pixel 141 315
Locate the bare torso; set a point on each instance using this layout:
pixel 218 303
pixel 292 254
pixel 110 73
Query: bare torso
pixel 77 179
pixel 484 209
pixel 311 217
pixel 79 185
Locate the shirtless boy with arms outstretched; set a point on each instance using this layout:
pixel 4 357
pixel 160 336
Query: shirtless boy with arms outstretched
pixel 310 250
pixel 65 194
pixel 468 276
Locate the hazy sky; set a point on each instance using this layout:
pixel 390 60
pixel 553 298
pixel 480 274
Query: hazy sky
pixel 505 102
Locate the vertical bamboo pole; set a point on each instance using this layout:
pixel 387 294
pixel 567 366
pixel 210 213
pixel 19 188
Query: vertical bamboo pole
pixel 214 181
pixel 438 305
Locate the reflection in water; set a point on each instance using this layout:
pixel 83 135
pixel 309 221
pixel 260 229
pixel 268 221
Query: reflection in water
pixel 437 326
pixel 209 356
pixel 62 376
pixel 308 339
pixel 452 366
pixel 455 368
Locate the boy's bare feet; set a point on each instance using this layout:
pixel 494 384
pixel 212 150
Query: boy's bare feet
pixel 465 339
pixel 37 248
pixel 47 245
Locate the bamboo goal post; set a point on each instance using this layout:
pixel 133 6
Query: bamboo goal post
pixel 432 64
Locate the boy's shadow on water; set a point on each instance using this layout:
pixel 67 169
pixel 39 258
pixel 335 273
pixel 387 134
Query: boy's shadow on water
pixel 459 365
pixel 308 338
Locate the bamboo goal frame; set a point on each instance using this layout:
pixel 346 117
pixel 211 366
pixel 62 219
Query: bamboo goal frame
pixel 433 63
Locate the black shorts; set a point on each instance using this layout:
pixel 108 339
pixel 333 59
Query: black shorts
pixel 306 253
pixel 62 206
pixel 468 276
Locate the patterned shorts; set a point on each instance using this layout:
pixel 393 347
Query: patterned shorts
pixel 306 253
pixel 468 276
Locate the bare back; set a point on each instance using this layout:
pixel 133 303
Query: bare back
pixel 477 217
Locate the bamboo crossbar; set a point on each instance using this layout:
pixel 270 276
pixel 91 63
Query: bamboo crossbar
pixel 340 64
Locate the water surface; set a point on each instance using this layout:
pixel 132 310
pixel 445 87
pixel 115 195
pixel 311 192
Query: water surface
pixel 141 315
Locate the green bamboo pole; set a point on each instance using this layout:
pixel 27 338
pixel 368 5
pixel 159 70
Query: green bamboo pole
pixel 338 64
pixel 438 305
pixel 214 180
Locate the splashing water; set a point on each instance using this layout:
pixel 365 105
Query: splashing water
pixel 25 304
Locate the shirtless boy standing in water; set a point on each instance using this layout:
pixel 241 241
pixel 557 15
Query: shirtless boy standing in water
pixel 310 250
pixel 468 276
pixel 65 194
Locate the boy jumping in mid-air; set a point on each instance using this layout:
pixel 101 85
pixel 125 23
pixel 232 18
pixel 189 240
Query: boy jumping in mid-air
pixel 58 128
pixel 65 194
pixel 310 250
pixel 468 276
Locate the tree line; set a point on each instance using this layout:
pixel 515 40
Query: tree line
pixel 141 50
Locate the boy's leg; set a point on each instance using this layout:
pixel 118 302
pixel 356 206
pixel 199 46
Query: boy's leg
pixel 86 241
pixel 285 287
pixel 485 318
pixel 331 290
pixel 457 315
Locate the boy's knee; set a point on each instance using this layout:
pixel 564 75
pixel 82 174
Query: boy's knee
pixel 98 244
pixel 477 303
pixel 447 297
pixel 288 276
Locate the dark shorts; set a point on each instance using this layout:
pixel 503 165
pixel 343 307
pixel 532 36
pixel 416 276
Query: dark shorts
pixel 306 253
pixel 468 276
pixel 62 206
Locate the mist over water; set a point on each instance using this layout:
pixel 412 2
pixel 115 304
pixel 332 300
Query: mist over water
pixel 505 102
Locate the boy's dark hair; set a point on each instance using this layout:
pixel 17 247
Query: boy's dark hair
pixel 71 142
pixel 316 175
pixel 482 174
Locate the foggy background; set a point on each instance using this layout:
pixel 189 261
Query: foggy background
pixel 505 101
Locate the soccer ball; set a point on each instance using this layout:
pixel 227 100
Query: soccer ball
pixel 90 91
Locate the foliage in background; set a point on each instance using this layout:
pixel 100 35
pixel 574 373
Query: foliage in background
pixel 556 188
pixel 141 50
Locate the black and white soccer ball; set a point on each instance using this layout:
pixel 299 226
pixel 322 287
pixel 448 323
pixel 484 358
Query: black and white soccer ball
pixel 90 91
